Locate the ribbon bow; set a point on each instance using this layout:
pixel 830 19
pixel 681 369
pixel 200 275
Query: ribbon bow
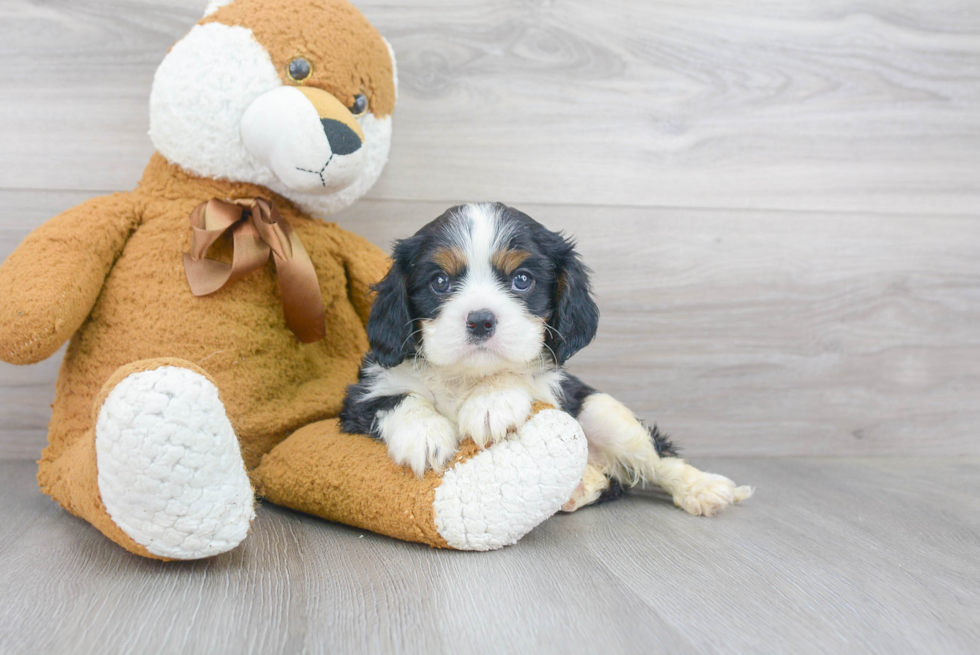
pixel 257 230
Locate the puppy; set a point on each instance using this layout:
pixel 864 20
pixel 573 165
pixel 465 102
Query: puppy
pixel 472 325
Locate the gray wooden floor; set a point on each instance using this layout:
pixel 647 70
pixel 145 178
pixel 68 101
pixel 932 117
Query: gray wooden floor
pixel 876 555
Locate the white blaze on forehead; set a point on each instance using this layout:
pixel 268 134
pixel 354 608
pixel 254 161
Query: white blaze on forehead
pixel 479 231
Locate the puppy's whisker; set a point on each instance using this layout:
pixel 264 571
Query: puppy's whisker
pixel 408 338
pixel 553 355
pixel 418 362
pixel 557 333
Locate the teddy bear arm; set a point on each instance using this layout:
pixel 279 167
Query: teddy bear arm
pixel 50 283
pixel 484 500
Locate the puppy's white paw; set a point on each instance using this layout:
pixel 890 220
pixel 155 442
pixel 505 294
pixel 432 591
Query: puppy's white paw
pixel 594 482
pixel 417 435
pixel 487 416
pixel 703 494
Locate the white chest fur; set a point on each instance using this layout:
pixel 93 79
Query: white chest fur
pixel 447 390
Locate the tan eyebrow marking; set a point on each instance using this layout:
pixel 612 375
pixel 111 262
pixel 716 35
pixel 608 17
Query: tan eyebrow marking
pixel 509 260
pixel 451 260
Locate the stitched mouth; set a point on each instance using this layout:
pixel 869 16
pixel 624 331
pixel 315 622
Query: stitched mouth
pixel 323 181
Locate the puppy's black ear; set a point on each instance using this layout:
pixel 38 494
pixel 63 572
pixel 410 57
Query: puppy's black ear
pixel 389 327
pixel 576 317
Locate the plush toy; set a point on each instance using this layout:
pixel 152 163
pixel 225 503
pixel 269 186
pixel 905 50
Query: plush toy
pixel 215 321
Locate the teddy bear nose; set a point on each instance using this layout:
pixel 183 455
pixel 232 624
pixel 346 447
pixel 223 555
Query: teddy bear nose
pixel 342 139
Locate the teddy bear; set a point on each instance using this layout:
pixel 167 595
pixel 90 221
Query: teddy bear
pixel 214 319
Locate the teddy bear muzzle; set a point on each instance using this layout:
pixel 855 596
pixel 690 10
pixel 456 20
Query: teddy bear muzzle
pixel 307 137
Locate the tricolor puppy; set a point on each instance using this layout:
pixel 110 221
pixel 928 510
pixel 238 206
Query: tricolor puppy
pixel 471 326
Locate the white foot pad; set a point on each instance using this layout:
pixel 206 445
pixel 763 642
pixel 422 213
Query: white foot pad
pixel 171 473
pixel 502 493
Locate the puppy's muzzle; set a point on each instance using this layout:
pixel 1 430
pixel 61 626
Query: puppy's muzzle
pixel 480 324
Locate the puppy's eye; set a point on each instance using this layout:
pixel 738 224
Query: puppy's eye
pixel 441 283
pixel 299 69
pixel 360 105
pixel 522 283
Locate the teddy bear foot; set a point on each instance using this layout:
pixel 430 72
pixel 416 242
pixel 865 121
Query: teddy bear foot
pixel 170 469
pixel 500 494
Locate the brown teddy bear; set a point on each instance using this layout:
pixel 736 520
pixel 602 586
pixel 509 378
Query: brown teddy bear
pixel 214 321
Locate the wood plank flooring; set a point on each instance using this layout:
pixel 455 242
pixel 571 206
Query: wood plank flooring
pixel 834 555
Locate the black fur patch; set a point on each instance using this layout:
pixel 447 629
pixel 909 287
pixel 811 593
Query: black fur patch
pixel 665 447
pixel 359 414
pixel 575 319
pixel 614 491
pixel 574 392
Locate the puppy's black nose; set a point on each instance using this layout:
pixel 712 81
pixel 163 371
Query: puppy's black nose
pixel 481 323
pixel 342 139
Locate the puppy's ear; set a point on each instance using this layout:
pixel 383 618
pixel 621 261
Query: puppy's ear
pixel 389 327
pixel 576 317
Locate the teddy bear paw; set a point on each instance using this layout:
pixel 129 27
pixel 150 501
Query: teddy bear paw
pixel 170 469
pixel 501 493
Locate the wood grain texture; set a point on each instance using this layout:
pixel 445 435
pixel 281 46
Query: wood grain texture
pixel 831 556
pixel 745 320
pixel 739 332
pixel 844 105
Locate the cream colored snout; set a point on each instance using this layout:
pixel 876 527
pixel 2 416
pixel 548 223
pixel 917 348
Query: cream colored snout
pixel 307 137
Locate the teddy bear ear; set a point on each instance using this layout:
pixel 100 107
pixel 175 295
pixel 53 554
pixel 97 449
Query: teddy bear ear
pixel 215 5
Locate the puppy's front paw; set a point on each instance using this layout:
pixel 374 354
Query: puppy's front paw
pixel 703 494
pixel 418 436
pixel 487 417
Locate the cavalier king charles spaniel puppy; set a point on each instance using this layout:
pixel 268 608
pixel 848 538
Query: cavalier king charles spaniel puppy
pixel 471 326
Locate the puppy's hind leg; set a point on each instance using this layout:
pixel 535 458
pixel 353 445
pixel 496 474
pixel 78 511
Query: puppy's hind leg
pixel 632 453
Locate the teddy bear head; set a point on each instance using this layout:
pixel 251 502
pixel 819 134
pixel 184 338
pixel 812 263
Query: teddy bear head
pixel 292 95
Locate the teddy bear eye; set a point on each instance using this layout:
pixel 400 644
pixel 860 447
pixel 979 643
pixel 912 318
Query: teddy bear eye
pixel 360 104
pixel 299 69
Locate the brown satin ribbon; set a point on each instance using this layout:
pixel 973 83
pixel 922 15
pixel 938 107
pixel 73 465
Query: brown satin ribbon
pixel 257 230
